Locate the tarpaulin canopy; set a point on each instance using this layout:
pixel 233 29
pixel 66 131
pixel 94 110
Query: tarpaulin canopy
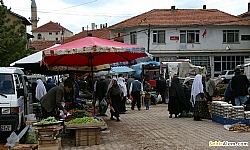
pixel 121 70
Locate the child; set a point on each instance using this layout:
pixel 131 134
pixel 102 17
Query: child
pixel 147 98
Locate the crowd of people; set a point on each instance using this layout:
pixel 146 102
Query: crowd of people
pixel 190 98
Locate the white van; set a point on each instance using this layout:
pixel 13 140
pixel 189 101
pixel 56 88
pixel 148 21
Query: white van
pixel 13 98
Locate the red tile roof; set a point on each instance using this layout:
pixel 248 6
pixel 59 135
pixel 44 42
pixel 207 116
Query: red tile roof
pixel 41 45
pixel 180 17
pixel 50 26
pixel 100 33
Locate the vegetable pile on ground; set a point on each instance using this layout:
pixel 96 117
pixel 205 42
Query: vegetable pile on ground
pixel 239 127
pixel 83 120
pixel 47 121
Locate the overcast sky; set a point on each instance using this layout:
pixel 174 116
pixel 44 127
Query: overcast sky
pixel 75 14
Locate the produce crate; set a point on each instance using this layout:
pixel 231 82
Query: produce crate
pixel 25 147
pixel 102 125
pixel 46 145
pixel 28 122
pixel 87 136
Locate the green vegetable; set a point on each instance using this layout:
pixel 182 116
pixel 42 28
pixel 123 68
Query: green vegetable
pixel 83 120
pixel 80 113
pixel 49 120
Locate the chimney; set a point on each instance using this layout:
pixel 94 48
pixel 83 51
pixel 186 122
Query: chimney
pixel 82 28
pixel 204 7
pixel 106 25
pixel 172 7
pixel 248 6
pixel 100 26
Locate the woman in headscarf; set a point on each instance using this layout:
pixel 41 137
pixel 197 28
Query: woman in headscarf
pixel 40 89
pixel 198 98
pixel 114 95
pixel 177 102
pixel 187 86
pixel 121 82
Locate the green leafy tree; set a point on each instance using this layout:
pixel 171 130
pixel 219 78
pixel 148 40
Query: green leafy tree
pixel 12 38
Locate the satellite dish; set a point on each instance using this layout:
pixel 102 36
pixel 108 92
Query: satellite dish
pixel 228 47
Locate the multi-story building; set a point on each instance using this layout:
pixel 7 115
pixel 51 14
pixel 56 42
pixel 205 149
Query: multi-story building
pixel 48 34
pixel 13 17
pixel 208 37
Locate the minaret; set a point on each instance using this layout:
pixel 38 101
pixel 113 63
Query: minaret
pixel 34 18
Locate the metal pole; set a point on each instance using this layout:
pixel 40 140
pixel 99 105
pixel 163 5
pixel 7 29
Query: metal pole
pixel 148 37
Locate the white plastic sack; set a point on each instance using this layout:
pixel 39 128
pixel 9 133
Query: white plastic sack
pixel 11 141
pixel 159 98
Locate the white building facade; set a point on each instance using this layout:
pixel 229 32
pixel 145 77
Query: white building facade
pixel 218 44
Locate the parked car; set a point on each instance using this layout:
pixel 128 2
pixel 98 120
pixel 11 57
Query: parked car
pixel 226 75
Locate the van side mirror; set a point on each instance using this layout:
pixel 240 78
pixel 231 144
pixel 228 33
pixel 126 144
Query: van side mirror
pixel 20 92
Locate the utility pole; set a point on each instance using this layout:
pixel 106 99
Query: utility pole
pixel 148 36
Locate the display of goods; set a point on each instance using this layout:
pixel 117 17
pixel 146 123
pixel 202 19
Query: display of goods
pixel 83 120
pixel 47 121
pixel 80 113
pixel 239 127
pixel 68 118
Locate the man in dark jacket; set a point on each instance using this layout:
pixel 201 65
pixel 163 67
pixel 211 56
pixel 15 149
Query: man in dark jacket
pixel 52 100
pixel 239 85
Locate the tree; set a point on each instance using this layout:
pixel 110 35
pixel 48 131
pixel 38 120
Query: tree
pixel 12 38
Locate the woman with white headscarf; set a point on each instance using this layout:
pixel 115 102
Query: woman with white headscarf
pixel 121 82
pixel 114 96
pixel 198 99
pixel 40 89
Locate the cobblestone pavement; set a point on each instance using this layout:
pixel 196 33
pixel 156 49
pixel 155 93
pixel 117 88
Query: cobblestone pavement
pixel 153 130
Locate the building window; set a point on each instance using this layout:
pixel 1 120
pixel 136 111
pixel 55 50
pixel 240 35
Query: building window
pixel 50 33
pixel 133 38
pixel 56 33
pixel 39 36
pixel 230 36
pixel 192 36
pixel 159 36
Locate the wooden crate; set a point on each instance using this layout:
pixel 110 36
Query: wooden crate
pixel 27 122
pixel 87 136
pixel 50 145
pixel 48 135
pixel 102 125
pixel 24 147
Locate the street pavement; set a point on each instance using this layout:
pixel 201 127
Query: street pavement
pixel 153 130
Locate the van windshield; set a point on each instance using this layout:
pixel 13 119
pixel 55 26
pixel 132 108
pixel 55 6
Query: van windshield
pixel 6 84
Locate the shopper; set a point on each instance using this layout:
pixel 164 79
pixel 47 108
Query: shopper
pixel 114 97
pixel 229 94
pixel 198 98
pixel 40 89
pixel 239 85
pixel 187 86
pixel 51 101
pixel 121 83
pixel 210 88
pixel 177 101
pixel 147 99
pixel 135 90
pixel 100 95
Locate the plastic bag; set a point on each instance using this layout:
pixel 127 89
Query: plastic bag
pixel 97 102
pixel 103 103
pixel 11 141
pixel 131 98
pixel 31 137
pixel 159 98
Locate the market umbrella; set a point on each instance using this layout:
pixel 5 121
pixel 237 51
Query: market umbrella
pixel 89 53
pixel 121 70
